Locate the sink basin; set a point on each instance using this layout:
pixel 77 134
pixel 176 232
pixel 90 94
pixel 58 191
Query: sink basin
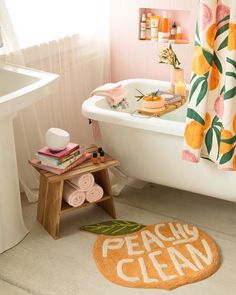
pixel 19 88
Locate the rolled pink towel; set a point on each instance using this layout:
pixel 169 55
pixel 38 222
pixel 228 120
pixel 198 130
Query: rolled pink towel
pixel 94 194
pixel 73 196
pixel 113 92
pixel 83 182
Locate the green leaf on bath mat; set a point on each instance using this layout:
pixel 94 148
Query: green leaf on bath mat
pixel 113 227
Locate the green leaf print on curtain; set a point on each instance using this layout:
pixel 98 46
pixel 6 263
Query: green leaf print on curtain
pixel 210 130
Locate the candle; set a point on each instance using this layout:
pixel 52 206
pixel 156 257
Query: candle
pixel 180 88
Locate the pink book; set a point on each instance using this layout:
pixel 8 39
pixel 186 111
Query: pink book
pixel 71 147
pixel 37 163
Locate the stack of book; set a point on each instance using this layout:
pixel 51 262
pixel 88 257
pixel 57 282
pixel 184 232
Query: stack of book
pixel 59 162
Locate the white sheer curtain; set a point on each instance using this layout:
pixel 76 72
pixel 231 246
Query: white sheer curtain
pixel 79 53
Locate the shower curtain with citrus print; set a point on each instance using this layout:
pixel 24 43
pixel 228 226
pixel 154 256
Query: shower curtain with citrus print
pixel 210 130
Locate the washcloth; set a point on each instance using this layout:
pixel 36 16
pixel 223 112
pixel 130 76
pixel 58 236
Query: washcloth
pixel 73 196
pixel 113 92
pixel 83 182
pixel 94 194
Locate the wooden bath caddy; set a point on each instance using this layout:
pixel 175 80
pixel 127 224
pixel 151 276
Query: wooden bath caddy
pixel 168 108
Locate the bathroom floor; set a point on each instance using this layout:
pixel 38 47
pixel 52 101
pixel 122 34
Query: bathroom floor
pixel 40 265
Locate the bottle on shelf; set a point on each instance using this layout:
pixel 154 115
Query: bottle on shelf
pixel 143 27
pixel 179 33
pixel 165 23
pixel 154 27
pixel 164 35
pixel 173 31
pixel 148 26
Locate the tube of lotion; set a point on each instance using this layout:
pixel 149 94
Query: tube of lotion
pixel 154 27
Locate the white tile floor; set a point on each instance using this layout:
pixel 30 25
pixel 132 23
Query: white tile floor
pixel 40 265
pixel 207 212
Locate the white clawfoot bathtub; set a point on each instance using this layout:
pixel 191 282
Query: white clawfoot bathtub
pixel 150 148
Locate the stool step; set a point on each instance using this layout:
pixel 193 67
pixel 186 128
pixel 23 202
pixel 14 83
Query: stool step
pixel 50 203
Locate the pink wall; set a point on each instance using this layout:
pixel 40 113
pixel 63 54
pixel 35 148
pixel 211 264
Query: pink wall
pixel 133 58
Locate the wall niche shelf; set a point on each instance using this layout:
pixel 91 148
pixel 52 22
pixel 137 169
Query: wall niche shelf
pixel 182 18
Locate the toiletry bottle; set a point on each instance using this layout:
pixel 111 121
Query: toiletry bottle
pixel 148 26
pixel 173 31
pixel 165 23
pixel 95 158
pixel 179 33
pixel 154 27
pixel 99 151
pixel 102 158
pixel 143 27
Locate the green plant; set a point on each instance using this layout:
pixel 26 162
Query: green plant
pixel 142 95
pixel 168 56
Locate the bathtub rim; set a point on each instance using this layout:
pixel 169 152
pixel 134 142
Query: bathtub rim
pixel 91 110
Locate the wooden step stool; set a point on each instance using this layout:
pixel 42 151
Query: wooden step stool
pixel 50 203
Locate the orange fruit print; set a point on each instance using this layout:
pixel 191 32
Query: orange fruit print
pixel 200 65
pixel 207 121
pixel 210 35
pixel 194 134
pixel 214 78
pixel 213 87
pixel 234 123
pixel 232 36
pixel 225 147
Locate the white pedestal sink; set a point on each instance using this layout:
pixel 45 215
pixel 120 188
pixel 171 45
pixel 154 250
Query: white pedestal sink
pixel 19 88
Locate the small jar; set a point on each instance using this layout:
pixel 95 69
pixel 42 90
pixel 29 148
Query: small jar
pixel 95 158
pixel 99 150
pixel 102 157
pixel 179 33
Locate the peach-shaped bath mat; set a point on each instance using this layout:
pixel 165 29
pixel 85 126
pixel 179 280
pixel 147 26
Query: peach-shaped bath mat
pixel 163 256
